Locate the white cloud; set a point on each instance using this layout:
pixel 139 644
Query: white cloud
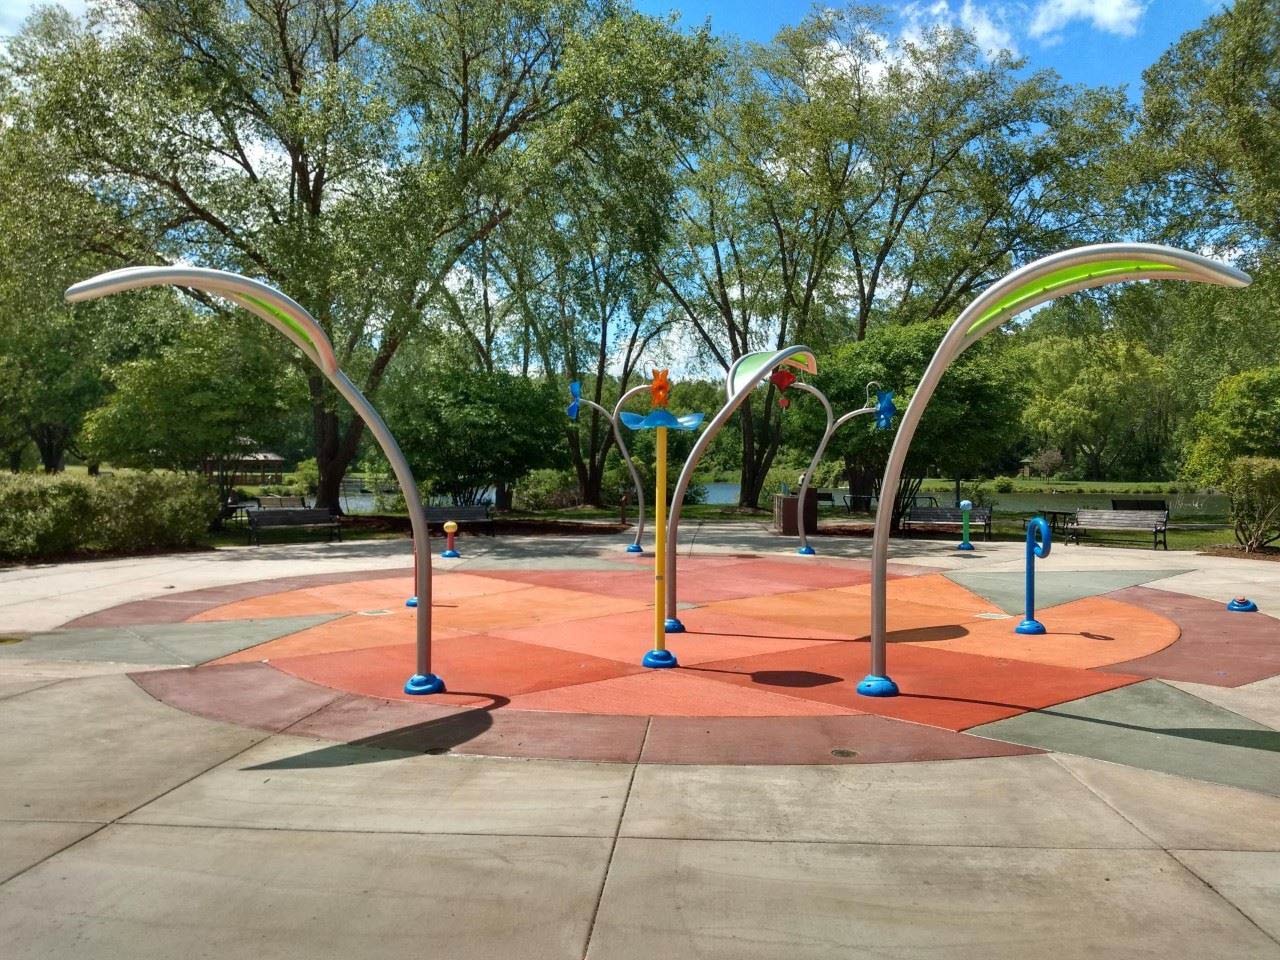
pixel 13 12
pixel 986 21
pixel 1110 16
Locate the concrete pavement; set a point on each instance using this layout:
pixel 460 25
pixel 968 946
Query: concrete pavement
pixel 132 829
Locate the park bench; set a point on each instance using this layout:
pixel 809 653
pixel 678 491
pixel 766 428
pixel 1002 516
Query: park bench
pixel 949 517
pixel 282 503
pixel 295 519
pixel 826 496
pixel 472 515
pixel 1155 522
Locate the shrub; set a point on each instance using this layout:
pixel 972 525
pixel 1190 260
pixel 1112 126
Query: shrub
pixel 307 476
pixel 1253 486
pixel 124 513
pixel 547 490
pixel 42 516
pixel 1003 485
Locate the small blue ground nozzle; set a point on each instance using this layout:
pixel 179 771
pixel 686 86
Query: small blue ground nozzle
pixel 660 659
pixel 964 545
pixel 873 685
pixel 1033 627
pixel 634 548
pixel 806 551
pixel 424 683
pixel 411 602
pixel 1242 605
pixel 450 554
pixel 672 625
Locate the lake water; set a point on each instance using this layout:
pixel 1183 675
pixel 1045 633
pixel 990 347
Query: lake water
pixel 1181 506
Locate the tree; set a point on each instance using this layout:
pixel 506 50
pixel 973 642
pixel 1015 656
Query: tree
pixel 1210 131
pixel 350 152
pixel 846 182
pixel 970 426
pixel 201 404
pixel 1106 403
pixel 1241 420
pixel 463 434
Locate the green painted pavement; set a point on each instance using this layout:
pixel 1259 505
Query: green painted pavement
pixel 1007 590
pixel 176 644
pixel 1153 726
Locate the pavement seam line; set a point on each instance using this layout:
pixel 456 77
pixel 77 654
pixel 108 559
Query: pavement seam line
pixel 1160 846
pixel 1221 896
pixel 164 793
pixel 613 846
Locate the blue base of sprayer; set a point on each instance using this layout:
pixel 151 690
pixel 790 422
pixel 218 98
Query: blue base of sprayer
pixel 660 660
pixel 1242 605
pixel 634 548
pixel 965 545
pixel 1030 626
pixel 876 686
pixel 806 551
pixel 424 683
pixel 411 602
pixel 450 554
pixel 673 625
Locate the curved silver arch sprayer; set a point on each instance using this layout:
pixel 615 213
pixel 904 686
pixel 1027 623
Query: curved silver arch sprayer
pixel 614 420
pixel 1039 282
pixel 291 319
pixel 746 373
pixel 832 426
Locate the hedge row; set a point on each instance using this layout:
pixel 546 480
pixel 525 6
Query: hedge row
pixel 57 516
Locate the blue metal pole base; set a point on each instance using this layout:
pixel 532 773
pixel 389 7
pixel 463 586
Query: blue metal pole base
pixel 1030 626
pixel 806 551
pixel 660 659
pixel 673 625
pixel 964 545
pixel 423 683
pixel 1242 605
pixel 876 686
pixel 411 602
pixel 634 548
pixel 450 554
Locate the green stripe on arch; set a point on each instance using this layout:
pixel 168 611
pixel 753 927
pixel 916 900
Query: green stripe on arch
pixel 1012 302
pixel 284 318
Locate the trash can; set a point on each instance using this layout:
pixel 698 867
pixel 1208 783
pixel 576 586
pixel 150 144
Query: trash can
pixel 784 513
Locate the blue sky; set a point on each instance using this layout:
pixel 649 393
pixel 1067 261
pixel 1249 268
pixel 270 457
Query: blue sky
pixel 1086 41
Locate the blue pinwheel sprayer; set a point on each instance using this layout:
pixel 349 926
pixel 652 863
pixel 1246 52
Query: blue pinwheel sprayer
pixel 1039 542
pixel 882 407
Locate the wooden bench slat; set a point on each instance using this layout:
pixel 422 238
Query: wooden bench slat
pixel 1155 522
pixel 308 519
pixel 949 516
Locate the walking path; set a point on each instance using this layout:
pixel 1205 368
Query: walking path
pixel 1113 790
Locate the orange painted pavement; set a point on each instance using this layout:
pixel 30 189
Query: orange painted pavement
pixel 1092 632
pixel 501 639
pixel 673 693
pixel 707 636
pixel 352 632
pixel 940 688
pixel 485 667
pixel 388 594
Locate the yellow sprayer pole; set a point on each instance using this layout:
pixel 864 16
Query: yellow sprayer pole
pixel 660 542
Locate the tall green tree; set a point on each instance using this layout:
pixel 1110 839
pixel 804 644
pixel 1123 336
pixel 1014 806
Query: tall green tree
pixel 969 429
pixel 847 181
pixel 1210 132
pixel 349 151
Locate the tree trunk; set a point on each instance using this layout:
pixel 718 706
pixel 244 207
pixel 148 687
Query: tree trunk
pixel 51 441
pixel 502 496
pixel 15 459
pixel 335 448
